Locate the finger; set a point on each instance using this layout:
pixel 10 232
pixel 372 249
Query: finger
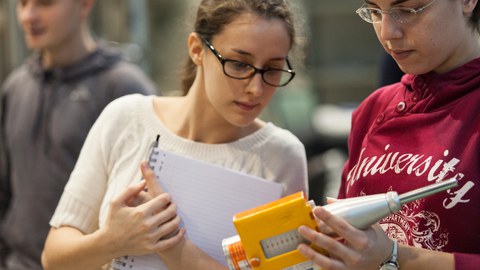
pixel 167 214
pixel 141 198
pixel 319 259
pixel 319 221
pixel 168 229
pixel 154 188
pixel 128 195
pixel 156 204
pixel 331 200
pixel 165 244
pixel 357 238
pixel 333 246
pixel 324 228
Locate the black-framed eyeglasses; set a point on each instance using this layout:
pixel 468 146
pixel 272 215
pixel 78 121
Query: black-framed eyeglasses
pixel 239 70
pixel 399 14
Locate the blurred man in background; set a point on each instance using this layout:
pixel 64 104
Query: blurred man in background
pixel 47 107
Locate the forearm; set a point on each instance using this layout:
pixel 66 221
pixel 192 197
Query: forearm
pixel 186 255
pixel 68 248
pixel 418 258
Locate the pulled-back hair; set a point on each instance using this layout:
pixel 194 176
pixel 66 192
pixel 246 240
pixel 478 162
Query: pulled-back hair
pixel 474 19
pixel 213 15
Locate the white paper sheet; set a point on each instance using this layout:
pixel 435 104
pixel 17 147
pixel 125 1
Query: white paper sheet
pixel 207 197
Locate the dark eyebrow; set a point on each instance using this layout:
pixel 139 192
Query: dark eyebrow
pixel 396 2
pixel 242 52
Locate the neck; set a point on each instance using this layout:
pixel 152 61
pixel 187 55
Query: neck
pixel 186 118
pixel 210 128
pixel 69 52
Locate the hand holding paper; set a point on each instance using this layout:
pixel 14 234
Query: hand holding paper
pixel 207 197
pixel 144 227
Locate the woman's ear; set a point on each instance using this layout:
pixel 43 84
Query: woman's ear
pixel 87 6
pixel 469 6
pixel 195 48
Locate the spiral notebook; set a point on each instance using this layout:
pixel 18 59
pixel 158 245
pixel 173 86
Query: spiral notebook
pixel 207 196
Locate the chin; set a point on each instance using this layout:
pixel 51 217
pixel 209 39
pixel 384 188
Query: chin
pixel 413 70
pixel 35 45
pixel 39 43
pixel 242 123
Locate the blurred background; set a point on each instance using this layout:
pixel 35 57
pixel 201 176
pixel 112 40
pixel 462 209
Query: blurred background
pixel 340 67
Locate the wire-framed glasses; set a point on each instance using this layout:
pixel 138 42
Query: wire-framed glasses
pixel 399 14
pixel 239 70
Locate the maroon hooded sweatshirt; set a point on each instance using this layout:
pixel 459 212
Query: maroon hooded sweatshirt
pixel 407 135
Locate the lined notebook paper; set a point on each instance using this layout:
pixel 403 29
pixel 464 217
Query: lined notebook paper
pixel 207 197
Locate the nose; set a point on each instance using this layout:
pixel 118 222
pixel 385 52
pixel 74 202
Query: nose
pixel 388 28
pixel 255 85
pixel 26 12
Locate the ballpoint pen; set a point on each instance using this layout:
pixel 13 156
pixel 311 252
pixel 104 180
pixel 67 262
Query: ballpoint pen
pixel 149 155
pixel 151 159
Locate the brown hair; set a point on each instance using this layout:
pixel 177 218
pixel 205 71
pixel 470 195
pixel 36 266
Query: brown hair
pixel 474 19
pixel 213 15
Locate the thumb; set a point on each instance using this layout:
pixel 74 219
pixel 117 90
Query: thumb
pixel 331 200
pixel 153 187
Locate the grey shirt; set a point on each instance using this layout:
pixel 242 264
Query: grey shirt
pixel 45 117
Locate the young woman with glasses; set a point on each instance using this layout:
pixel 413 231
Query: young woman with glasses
pixel 421 130
pixel 238 57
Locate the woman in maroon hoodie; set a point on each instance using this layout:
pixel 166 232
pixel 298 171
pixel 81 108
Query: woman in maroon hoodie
pixel 421 130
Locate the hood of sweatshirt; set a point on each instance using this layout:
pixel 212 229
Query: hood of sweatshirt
pixel 50 81
pixel 433 91
pixel 102 58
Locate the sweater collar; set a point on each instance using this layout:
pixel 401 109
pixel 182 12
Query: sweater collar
pixel 437 90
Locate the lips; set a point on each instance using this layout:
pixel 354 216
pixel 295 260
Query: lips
pixel 400 54
pixel 35 31
pixel 247 106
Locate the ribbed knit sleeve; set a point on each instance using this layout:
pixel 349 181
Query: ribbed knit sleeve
pixel 81 201
pixel 75 213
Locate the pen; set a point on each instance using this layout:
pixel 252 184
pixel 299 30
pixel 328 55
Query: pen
pixel 150 160
pixel 149 155
pixel 151 149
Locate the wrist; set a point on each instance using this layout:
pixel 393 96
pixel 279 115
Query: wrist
pixel 107 243
pixel 391 263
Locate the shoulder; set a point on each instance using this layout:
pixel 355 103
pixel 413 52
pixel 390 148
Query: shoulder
pixel 282 134
pixel 385 94
pixel 282 140
pixel 126 105
pixel 129 78
pixel 125 77
pixel 380 99
pixel 124 110
pixel 18 77
pixel 121 116
pixel 284 157
pixel 128 70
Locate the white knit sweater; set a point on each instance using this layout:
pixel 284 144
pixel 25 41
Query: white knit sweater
pixel 119 140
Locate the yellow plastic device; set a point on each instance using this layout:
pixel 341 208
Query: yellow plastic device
pixel 268 233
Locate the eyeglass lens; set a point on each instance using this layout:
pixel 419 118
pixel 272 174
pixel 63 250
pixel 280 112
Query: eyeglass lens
pixel 239 70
